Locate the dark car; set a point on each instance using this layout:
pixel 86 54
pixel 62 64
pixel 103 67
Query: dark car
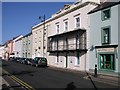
pixel 11 59
pixel 40 61
pixel 28 61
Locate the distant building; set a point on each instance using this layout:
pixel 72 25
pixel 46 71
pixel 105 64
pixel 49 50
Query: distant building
pixel 14 44
pixel 27 46
pixel 39 43
pixel 103 45
pixel 18 47
pixel 2 51
pixel 8 49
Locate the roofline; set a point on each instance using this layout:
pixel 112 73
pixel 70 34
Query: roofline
pixel 27 34
pixel 104 7
pixel 62 14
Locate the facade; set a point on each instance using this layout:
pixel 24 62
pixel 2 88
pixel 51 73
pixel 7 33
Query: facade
pixel 40 34
pixel 103 46
pixel 14 44
pixel 8 49
pixel 18 47
pixel 27 46
pixel 2 51
pixel 67 38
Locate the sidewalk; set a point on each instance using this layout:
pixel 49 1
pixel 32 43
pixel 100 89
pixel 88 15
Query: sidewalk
pixel 101 77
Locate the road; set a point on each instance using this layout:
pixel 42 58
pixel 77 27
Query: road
pixel 47 77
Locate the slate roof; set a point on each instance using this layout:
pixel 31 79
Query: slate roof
pixel 104 6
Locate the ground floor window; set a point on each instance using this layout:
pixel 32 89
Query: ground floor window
pixel 107 61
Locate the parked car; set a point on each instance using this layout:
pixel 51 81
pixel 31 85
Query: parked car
pixel 28 61
pixel 11 59
pixel 40 61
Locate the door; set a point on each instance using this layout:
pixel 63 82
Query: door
pixel 66 60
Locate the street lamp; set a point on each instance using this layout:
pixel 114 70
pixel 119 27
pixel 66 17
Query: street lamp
pixel 42 18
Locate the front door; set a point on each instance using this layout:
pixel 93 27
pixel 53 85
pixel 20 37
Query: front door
pixel 66 60
pixel 107 61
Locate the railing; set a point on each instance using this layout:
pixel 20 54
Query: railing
pixel 67 47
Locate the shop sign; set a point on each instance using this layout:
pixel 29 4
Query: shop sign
pixel 105 50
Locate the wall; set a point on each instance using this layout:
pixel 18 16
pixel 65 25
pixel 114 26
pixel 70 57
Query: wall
pixel 84 24
pixel 18 48
pixel 95 32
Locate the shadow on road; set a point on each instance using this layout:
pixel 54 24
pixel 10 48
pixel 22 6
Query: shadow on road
pixel 70 86
pixel 91 81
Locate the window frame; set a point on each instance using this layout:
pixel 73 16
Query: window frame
pixel 102 14
pixel 57 29
pixel 102 35
pixel 76 22
pixel 65 25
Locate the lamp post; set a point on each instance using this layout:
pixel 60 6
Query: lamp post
pixel 42 18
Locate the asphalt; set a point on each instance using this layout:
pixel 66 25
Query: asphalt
pixel 52 77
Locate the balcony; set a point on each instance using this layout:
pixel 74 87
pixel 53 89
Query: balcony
pixel 68 41
pixel 69 47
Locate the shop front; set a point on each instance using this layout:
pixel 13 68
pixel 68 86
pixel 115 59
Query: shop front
pixel 106 57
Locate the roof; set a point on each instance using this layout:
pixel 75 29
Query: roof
pixel 16 37
pixel 104 6
pixel 27 34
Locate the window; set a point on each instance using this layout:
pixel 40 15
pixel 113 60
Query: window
pixel 106 14
pixel 77 21
pixel 106 35
pixel 77 60
pixel 66 26
pixel 57 58
pixel 57 27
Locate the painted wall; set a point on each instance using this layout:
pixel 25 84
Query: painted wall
pixel 84 24
pixel 18 48
pixel 2 51
pixel 27 46
pixel 37 47
pixel 95 33
pixel 119 39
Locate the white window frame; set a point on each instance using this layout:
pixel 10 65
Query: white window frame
pixel 76 22
pixel 57 29
pixel 65 26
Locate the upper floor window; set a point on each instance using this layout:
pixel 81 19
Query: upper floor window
pixel 106 14
pixel 77 22
pixel 66 26
pixel 57 27
pixel 106 35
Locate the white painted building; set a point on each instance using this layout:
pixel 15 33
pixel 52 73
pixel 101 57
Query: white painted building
pixel 14 44
pixel 103 37
pixel 2 51
pixel 67 38
pixel 18 47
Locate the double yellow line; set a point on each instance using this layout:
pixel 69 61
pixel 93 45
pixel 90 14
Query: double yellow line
pixel 25 85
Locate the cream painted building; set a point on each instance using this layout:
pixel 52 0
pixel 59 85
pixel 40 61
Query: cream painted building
pixel 67 37
pixel 40 33
pixel 27 46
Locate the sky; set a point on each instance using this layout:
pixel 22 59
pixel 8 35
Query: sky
pixel 19 17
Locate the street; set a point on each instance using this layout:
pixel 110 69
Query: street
pixel 47 77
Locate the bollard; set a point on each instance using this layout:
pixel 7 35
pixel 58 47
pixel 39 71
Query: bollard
pixel 95 72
